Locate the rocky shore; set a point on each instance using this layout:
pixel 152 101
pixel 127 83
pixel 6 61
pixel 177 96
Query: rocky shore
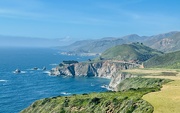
pixel 105 69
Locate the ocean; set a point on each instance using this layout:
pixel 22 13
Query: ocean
pixel 18 91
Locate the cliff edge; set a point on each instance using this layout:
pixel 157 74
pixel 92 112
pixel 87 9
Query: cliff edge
pixel 110 69
pixel 105 69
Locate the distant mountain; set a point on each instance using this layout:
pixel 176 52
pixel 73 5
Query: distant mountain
pixel 91 46
pixel 100 45
pixel 167 42
pixel 164 42
pixel 14 41
pixel 135 38
pixel 168 60
pixel 130 52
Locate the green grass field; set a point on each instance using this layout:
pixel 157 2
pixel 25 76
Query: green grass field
pixel 168 99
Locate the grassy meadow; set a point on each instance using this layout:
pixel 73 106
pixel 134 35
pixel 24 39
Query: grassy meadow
pixel 168 99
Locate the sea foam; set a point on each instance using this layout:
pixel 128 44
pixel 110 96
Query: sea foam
pixel 3 80
pixel 65 93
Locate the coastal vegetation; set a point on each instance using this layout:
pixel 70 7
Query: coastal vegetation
pixel 168 60
pixel 166 100
pixel 70 62
pixel 125 101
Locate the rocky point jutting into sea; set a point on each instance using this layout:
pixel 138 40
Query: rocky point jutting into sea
pixel 110 69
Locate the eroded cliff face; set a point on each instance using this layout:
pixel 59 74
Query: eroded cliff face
pixel 117 79
pixel 106 69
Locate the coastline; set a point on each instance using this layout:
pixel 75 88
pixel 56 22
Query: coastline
pixel 110 69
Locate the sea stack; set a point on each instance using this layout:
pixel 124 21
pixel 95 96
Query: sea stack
pixel 17 71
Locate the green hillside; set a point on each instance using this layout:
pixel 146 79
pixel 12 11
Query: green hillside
pixel 168 60
pixel 127 52
pixel 127 101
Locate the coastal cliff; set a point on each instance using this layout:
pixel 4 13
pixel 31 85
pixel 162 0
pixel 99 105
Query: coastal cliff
pixel 115 80
pixel 104 69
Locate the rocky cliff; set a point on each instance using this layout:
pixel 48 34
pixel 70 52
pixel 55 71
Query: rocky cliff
pixel 113 85
pixel 105 69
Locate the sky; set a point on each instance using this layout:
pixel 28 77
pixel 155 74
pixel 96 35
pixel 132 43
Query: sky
pixel 88 19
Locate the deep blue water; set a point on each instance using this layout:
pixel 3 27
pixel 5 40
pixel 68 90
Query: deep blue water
pixel 18 91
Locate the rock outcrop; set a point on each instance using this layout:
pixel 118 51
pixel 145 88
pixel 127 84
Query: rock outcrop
pixel 104 69
pixel 117 79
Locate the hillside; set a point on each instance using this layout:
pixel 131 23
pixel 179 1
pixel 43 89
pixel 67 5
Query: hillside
pixel 167 42
pixel 128 101
pixel 164 101
pixel 130 52
pixel 168 60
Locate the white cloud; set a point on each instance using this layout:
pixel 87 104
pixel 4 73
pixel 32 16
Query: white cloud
pixel 20 14
pixel 22 9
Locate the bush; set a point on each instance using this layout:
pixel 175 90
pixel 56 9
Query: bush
pixel 70 62
pixel 95 101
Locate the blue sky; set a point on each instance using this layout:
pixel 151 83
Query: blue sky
pixel 85 19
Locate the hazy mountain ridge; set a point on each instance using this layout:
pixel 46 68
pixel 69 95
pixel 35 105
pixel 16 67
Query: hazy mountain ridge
pixel 164 42
pixel 98 45
pixel 135 38
pixel 16 41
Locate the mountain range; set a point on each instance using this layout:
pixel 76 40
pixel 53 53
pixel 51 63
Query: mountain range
pixel 166 42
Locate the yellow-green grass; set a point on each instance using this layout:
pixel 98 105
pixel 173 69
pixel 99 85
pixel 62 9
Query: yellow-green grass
pixel 154 72
pixel 167 100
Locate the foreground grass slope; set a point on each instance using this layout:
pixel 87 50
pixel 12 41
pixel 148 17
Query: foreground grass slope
pixel 126 101
pixel 128 52
pixel 138 83
pixel 168 60
pixel 168 99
